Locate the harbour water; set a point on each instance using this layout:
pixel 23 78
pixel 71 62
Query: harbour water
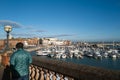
pixel 106 63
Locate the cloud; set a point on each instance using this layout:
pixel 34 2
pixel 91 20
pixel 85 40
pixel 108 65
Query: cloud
pixel 22 34
pixel 28 27
pixel 38 31
pixel 62 35
pixel 11 23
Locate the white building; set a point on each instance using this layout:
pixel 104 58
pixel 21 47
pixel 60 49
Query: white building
pixel 52 41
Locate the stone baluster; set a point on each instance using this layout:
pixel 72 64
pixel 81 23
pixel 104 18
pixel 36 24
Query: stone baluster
pixel 50 72
pixel 47 75
pixel 37 73
pixel 31 67
pixel 57 76
pixel 32 73
pixel 61 77
pixel 69 78
pixel 41 74
pixel 54 76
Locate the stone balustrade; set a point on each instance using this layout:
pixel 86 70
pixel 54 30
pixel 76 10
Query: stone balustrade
pixel 49 69
pixel 52 69
pixel 39 73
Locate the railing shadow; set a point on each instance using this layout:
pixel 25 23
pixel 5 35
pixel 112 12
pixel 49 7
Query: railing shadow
pixel 6 74
pixel 10 73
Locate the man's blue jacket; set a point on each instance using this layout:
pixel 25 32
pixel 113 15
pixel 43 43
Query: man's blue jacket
pixel 20 60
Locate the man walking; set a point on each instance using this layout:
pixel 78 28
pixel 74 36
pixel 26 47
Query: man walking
pixel 20 61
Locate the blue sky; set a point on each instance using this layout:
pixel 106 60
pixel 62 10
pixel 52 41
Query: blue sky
pixel 85 20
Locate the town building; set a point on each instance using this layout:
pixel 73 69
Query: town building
pixel 29 42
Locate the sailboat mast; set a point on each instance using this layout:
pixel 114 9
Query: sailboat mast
pixel 113 44
pixel 103 45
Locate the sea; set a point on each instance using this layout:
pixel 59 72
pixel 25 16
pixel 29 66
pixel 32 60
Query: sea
pixel 106 63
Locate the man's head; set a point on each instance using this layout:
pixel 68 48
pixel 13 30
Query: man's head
pixel 19 45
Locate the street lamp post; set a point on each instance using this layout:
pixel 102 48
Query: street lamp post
pixel 8 29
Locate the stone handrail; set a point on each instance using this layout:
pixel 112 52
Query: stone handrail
pixel 42 69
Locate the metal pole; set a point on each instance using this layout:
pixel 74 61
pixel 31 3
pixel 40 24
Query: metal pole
pixel 7 45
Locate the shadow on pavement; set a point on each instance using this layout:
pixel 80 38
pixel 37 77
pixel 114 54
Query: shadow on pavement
pixel 6 73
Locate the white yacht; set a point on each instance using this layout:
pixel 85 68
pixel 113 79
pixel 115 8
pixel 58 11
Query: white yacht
pixel 57 56
pixel 97 55
pixel 78 56
pixel 63 55
pixel 40 53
